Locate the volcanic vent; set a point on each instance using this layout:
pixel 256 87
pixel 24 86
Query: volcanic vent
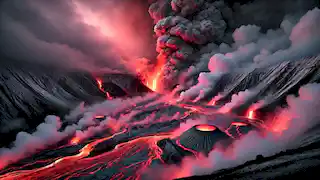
pixel 202 138
pixel 237 129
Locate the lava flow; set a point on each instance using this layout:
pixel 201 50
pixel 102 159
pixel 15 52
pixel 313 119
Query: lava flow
pixel 127 160
pixel 205 127
pixel 153 80
pixel 100 85
pixel 251 114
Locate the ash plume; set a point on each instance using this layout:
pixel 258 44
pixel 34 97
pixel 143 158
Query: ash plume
pixel 76 34
pixel 252 48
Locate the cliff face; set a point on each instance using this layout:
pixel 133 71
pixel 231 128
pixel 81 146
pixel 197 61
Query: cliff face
pixel 30 92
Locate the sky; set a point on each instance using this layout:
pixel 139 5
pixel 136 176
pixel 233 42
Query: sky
pixel 96 36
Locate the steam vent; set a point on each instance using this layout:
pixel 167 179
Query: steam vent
pixel 237 129
pixel 203 137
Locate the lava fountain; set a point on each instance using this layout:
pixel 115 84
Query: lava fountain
pixel 153 81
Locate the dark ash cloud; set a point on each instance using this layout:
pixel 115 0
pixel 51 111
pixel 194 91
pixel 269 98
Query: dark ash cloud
pixel 56 33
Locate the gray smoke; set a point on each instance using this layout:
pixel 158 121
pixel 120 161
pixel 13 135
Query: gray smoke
pixel 76 34
pixel 294 121
pixel 252 48
pixel 191 32
pixel 49 132
pixel 181 27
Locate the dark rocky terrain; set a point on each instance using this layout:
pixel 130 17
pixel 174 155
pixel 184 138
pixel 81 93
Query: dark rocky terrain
pixel 30 92
pixel 47 92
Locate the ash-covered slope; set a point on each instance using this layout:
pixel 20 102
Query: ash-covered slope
pixel 268 84
pixel 30 92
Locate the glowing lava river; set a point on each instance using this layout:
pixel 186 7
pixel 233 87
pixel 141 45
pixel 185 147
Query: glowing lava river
pixel 136 137
pixel 131 157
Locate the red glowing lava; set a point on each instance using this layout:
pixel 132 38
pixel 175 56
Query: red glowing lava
pixel 75 140
pixel 128 157
pixel 108 95
pixel 187 149
pixel 280 123
pixel 212 103
pixel 99 82
pixel 239 124
pixel 154 82
pixel 99 117
pixel 251 114
pixel 153 79
pixel 205 127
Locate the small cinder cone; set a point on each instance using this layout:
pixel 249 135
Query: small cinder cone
pixel 202 138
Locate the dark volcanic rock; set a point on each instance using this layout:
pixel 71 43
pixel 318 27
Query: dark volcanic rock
pixel 30 92
pixel 272 84
pixel 171 153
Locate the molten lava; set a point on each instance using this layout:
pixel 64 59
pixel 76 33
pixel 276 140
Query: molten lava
pixel 212 103
pixel 251 114
pixel 132 158
pixel 99 117
pixel 153 79
pixel 239 124
pixel 99 82
pixel 205 127
pixel 108 95
pixel 75 140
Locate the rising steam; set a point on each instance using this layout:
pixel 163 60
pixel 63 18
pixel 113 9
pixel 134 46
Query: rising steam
pixel 283 133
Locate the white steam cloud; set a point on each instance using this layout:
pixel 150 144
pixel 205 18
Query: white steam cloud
pixel 294 120
pixel 252 48
pixel 49 132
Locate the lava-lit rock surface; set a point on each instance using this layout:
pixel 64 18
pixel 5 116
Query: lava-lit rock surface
pixel 30 92
pixel 145 138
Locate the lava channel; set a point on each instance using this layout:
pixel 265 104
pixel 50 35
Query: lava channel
pixel 127 160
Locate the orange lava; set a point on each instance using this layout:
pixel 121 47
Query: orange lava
pixel 99 81
pixel 75 140
pixel 108 95
pixel 205 127
pixel 251 114
pixel 280 123
pixel 195 153
pixel 239 124
pixel 153 78
pixel 99 117
pixel 79 165
pixel 212 103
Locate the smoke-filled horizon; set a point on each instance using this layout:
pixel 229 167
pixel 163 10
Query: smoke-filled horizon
pixel 197 37
pixel 198 42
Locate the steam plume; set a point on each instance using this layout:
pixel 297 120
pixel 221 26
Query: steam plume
pixel 252 48
pixel 291 123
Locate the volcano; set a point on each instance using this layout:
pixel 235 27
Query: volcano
pixel 230 91
pixel 202 138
